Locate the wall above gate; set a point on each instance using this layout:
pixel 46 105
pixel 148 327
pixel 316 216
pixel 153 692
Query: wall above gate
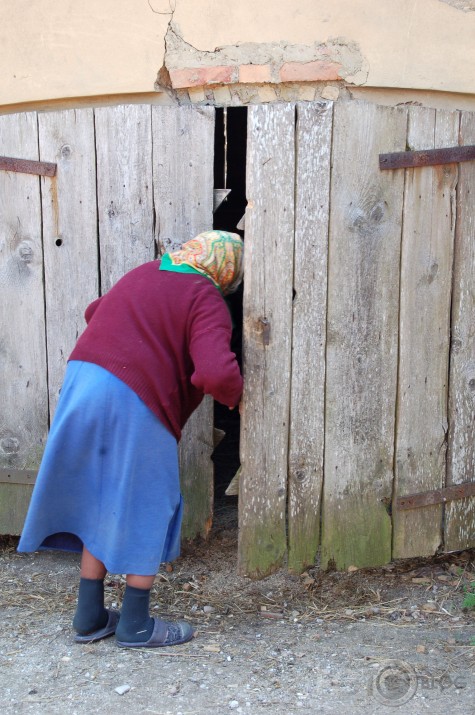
pixel 56 51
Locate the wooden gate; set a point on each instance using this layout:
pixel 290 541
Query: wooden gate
pixel 359 338
pixel 131 182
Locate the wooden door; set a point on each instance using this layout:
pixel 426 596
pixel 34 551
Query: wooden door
pixel 131 182
pixel 359 344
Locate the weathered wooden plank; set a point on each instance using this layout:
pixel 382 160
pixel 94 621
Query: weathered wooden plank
pixel 183 156
pixel 24 413
pixel 24 397
pixel 267 328
pixel 426 283
pixel 14 502
pixel 460 516
pixel 362 331
pixel 306 440
pixel 124 189
pixel 69 234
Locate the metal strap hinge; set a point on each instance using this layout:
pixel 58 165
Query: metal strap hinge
pixel 426 157
pixel 436 496
pixel 27 166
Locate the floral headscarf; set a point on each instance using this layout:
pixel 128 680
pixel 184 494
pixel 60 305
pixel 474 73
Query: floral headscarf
pixel 215 254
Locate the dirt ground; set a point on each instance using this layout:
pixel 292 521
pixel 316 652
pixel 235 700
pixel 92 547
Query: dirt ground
pixel 394 639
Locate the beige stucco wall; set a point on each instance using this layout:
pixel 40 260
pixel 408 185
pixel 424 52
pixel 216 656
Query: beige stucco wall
pixel 55 49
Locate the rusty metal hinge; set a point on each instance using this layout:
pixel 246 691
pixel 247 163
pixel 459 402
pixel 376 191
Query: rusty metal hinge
pixel 25 166
pixel 426 157
pixel 436 496
pixel 18 476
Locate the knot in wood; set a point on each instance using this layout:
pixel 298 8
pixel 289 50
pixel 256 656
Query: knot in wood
pixel 456 345
pixel 264 329
pixel 9 445
pixel 66 151
pixel 25 252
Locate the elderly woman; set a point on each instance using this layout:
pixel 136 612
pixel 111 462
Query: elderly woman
pixel 108 484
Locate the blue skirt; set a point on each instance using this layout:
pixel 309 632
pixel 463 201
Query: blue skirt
pixel 108 479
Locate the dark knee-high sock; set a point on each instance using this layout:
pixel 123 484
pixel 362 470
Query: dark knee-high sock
pixel 90 613
pixel 135 623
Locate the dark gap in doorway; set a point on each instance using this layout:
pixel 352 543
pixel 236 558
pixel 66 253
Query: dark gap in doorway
pixel 229 172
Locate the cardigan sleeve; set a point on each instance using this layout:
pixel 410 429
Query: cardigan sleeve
pixel 216 369
pixel 91 309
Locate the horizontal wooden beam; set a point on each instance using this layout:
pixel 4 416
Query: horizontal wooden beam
pixel 426 157
pixel 25 166
pixel 18 476
pixel 436 496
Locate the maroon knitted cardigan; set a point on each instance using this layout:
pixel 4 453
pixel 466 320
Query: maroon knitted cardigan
pixel 167 336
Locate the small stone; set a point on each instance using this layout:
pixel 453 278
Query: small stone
pixel 187 587
pixel 420 649
pixel 233 704
pixel 212 648
pixel 330 92
pixel 429 606
pixel 174 690
pixel 122 689
pixel 169 568
pixel 351 569
pixel 208 609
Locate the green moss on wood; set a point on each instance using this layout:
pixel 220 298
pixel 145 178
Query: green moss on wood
pixel 263 550
pixel 355 534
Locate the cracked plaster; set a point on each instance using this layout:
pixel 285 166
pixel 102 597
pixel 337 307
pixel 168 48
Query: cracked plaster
pixel 464 5
pixel 339 57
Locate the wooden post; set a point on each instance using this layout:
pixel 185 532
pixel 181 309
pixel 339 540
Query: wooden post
pixel 24 414
pixel 362 333
pixel 69 234
pixel 314 136
pixel 426 283
pixel 183 156
pixel 267 329
pixel 460 515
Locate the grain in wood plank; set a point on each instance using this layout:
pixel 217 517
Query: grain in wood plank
pixel 24 414
pixel 267 329
pixel 460 514
pixel 426 283
pixel 69 233
pixel 362 335
pixel 183 160
pixel 306 439
pixel 124 189
pixel 14 502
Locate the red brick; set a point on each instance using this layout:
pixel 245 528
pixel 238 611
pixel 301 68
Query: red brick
pixel 315 71
pixel 202 76
pixel 254 74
